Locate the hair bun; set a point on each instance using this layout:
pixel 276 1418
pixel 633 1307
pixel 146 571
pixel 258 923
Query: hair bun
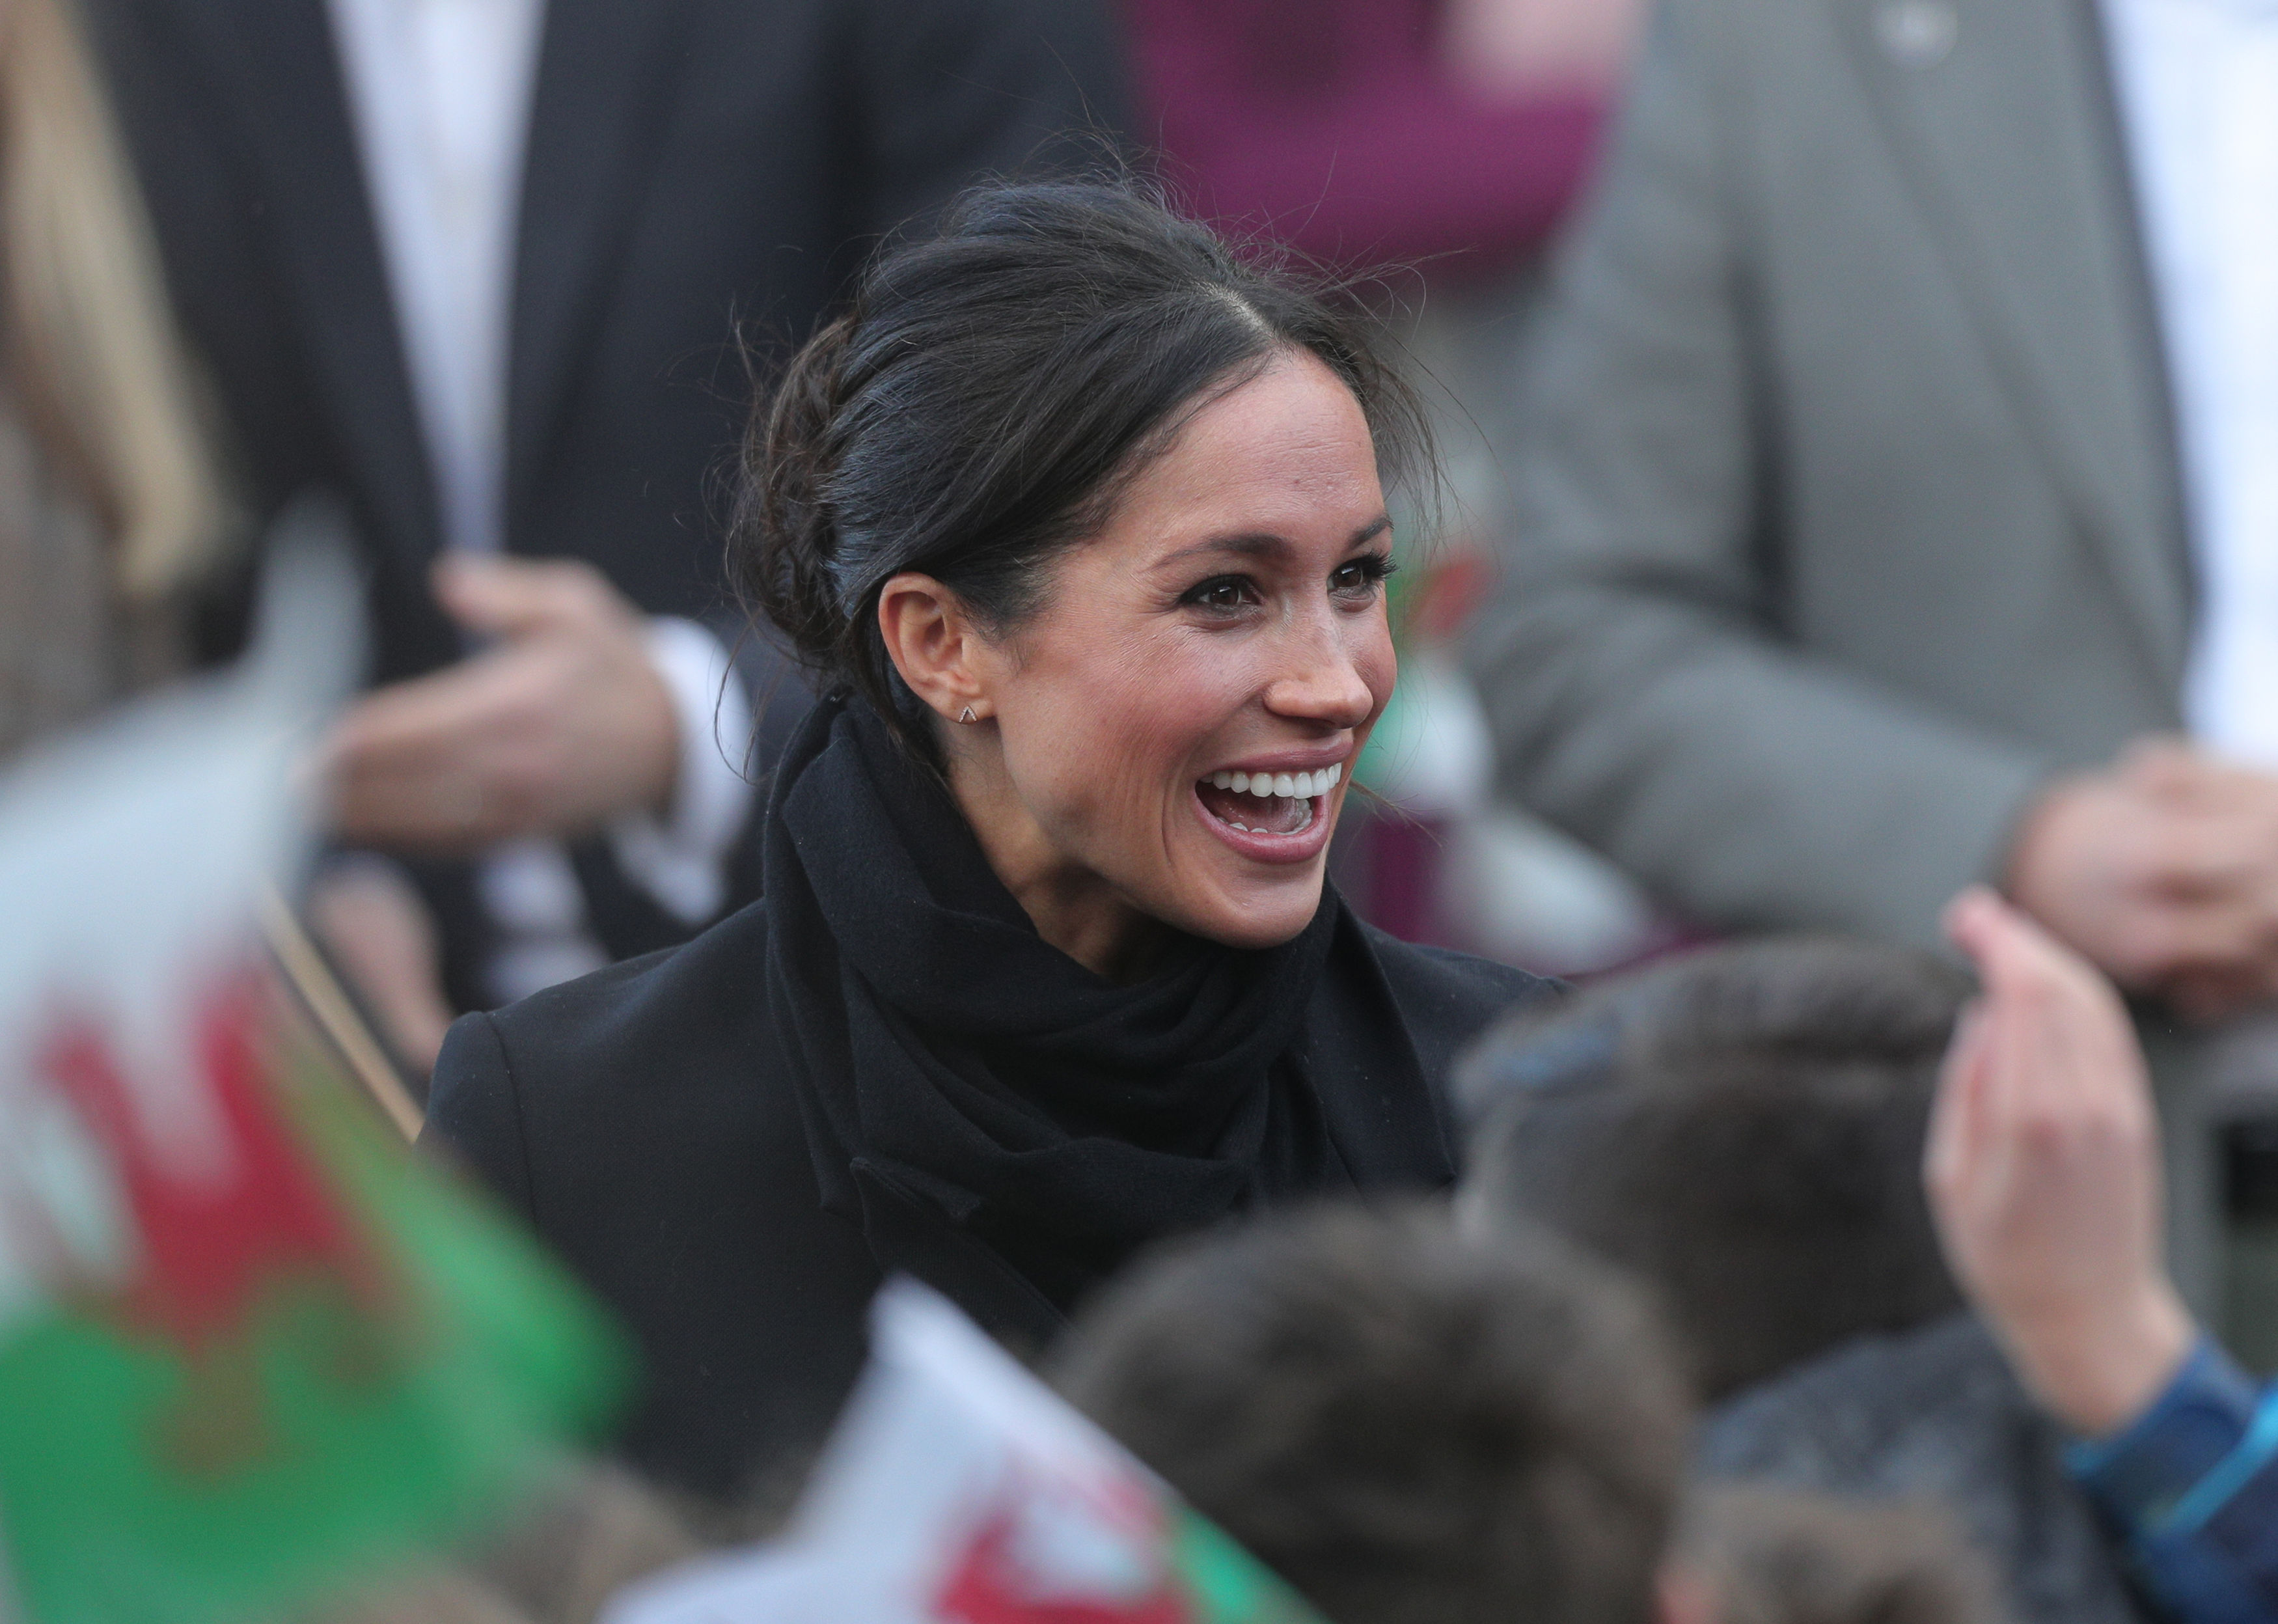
pixel 782 517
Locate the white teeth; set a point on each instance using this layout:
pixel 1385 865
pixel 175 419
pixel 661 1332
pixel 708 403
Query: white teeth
pixel 1244 827
pixel 1298 785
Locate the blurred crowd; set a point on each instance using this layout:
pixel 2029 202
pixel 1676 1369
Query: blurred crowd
pixel 1763 1299
pixel 1852 423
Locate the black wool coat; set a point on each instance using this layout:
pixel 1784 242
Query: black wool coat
pixel 638 1119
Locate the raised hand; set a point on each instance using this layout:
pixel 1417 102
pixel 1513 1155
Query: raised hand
pixel 2044 1175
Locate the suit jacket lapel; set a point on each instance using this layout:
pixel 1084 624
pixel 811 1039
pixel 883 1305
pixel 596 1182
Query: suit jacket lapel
pixel 2002 113
pixel 606 70
pixel 280 59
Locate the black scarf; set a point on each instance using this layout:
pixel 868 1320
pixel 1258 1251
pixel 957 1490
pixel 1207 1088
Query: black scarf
pixel 937 1041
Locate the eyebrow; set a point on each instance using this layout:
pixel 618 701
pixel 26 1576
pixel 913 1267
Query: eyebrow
pixel 1265 544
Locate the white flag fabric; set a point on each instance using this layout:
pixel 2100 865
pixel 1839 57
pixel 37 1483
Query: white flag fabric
pixel 958 1488
pixel 131 856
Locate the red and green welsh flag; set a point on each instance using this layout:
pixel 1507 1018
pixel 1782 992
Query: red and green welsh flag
pixel 248 1350
pixel 958 1489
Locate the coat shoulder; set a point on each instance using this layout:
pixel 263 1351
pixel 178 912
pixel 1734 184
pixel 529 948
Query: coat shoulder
pixel 1443 984
pixel 554 1094
pixel 1449 998
pixel 640 1119
pixel 668 1024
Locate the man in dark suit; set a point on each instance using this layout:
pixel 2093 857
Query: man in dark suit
pixel 475 265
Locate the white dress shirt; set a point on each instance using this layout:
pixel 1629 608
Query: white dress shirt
pixel 2198 97
pixel 439 95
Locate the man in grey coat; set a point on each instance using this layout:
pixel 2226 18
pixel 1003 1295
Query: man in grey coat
pixel 1900 507
pixel 1852 563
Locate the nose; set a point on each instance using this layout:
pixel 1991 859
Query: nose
pixel 1321 682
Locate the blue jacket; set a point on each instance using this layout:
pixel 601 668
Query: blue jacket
pixel 2192 1488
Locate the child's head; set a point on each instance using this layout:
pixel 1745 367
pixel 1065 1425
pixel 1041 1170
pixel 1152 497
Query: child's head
pixel 1769 1555
pixel 1743 1128
pixel 1406 1425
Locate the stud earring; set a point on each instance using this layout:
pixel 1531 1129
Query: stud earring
pixel 966 714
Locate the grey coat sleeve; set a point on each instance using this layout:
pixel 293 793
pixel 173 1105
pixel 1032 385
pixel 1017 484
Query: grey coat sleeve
pixel 1643 691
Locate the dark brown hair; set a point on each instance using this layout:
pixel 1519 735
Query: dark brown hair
pixel 1743 1128
pixel 1407 1427
pixel 1776 1556
pixel 990 388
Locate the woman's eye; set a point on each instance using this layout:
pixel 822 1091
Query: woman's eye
pixel 1224 592
pixel 1359 577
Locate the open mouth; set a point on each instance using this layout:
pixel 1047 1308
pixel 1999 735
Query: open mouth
pixel 1277 803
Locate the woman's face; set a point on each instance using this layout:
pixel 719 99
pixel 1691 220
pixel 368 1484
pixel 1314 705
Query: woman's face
pixel 1177 721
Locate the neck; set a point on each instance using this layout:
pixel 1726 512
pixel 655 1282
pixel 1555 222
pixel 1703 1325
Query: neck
pixel 1072 908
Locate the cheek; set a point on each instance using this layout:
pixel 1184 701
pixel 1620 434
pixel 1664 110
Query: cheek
pixel 1098 733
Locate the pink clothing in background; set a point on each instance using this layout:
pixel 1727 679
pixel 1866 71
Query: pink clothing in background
pixel 1334 125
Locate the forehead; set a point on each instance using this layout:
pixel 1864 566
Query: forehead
pixel 1289 452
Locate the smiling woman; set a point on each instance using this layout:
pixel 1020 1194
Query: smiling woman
pixel 1078 521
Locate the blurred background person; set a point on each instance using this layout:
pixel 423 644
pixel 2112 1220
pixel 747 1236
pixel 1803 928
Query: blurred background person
pixel 114 516
pixel 1447 138
pixel 1742 1129
pixel 1741 1126
pixel 1414 1425
pixel 1895 511
pixel 1764 1556
pixel 1408 1427
pixel 476 265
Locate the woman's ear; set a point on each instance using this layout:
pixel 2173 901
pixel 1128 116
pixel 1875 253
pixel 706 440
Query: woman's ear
pixel 935 645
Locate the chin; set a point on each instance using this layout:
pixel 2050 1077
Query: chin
pixel 1254 916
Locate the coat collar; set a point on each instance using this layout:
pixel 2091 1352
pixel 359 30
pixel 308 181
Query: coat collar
pixel 2003 116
